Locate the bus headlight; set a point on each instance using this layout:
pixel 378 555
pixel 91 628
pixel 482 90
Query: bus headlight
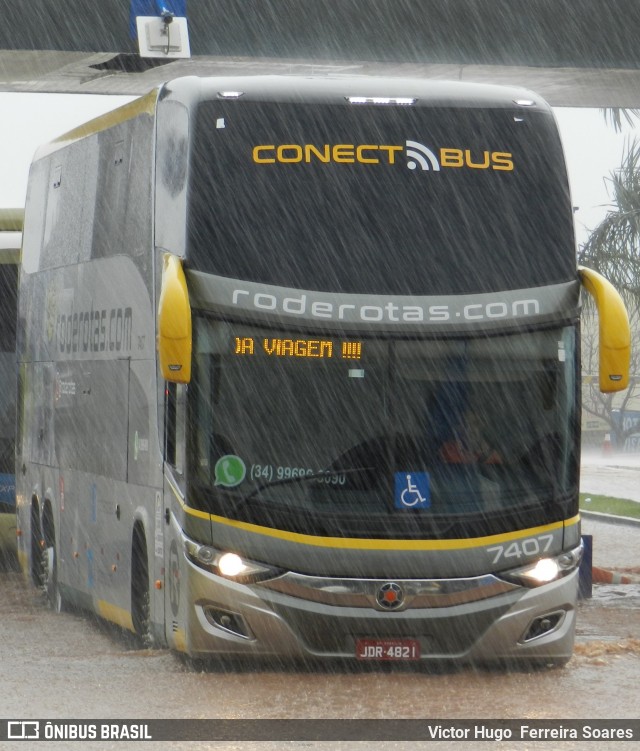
pixel 545 570
pixel 228 564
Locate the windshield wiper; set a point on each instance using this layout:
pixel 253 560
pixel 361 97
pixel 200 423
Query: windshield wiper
pixel 326 473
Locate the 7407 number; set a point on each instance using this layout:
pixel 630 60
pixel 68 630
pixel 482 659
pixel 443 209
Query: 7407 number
pixel 522 548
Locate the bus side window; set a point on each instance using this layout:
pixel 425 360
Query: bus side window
pixel 175 418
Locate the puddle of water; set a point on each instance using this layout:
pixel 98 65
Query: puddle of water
pixel 616 595
pixel 600 648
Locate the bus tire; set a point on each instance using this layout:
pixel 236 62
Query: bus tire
pixel 49 561
pixel 140 592
pixel 36 546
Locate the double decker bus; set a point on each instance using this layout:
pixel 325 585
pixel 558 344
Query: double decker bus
pixel 299 371
pixel 10 238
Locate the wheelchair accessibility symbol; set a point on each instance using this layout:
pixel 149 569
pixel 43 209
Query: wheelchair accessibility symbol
pixel 412 490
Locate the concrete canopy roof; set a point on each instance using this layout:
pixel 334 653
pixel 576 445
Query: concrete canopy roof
pixel 572 52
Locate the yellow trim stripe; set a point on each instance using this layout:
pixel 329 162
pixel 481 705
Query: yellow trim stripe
pixel 23 560
pixel 179 640
pixel 356 543
pixel 143 105
pixel 113 613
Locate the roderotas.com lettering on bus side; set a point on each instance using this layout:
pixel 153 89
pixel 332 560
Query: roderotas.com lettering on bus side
pixel 95 331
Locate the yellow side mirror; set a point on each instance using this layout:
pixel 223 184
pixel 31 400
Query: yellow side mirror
pixel 174 323
pixel 614 331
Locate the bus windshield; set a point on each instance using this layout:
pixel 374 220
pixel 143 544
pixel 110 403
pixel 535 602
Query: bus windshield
pixel 380 435
pixel 379 199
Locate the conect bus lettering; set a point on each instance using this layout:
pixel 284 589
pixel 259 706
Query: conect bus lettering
pixel 345 153
pixel 348 423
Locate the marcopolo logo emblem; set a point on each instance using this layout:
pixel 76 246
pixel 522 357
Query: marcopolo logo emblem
pixel 390 596
pixel 419 155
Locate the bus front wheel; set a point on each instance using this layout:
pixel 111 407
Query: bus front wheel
pixel 140 593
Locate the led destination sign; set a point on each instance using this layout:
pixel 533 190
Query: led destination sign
pixel 302 348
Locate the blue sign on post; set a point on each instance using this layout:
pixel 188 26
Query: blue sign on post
pixel 154 8
pixel 585 575
pixel 8 489
pixel 412 490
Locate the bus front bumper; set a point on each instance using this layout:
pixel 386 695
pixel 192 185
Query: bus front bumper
pixel 496 624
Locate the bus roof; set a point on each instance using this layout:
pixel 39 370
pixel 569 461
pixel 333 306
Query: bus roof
pixel 337 89
pixel 313 89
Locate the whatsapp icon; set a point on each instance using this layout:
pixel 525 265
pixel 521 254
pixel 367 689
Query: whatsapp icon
pixel 229 471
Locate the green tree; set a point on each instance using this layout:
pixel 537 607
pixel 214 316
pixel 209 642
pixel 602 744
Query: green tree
pixel 613 248
pixel 615 116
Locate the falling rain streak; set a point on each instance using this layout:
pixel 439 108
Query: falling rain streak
pixel 426 35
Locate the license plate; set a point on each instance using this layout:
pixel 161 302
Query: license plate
pixel 387 649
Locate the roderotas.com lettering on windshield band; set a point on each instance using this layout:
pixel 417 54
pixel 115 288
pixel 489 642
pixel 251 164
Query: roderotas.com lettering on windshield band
pixel 390 311
pixel 105 330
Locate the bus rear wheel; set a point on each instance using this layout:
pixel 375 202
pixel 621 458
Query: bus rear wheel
pixel 36 558
pixel 50 580
pixel 49 562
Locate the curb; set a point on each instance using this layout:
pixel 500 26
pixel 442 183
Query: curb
pixel 602 576
pixel 610 518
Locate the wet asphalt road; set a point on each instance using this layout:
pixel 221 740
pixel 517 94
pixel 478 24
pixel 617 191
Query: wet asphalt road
pixel 616 475
pixel 616 546
pixel 69 666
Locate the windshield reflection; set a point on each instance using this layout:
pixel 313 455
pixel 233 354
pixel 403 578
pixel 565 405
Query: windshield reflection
pixel 435 427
